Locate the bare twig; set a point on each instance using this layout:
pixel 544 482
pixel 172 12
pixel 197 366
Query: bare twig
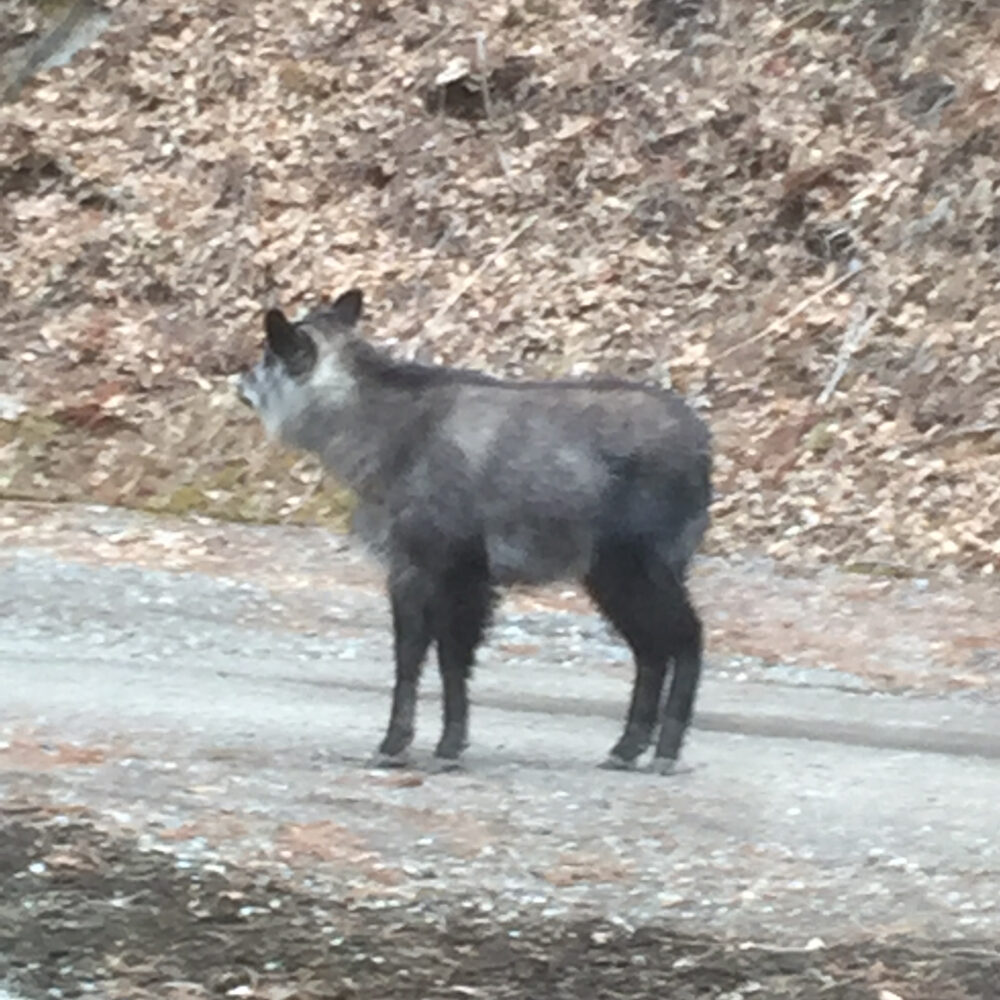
pixel 923 225
pixel 484 73
pixel 513 236
pixel 858 328
pixel 953 435
pixel 439 245
pixel 48 46
pixel 483 68
pixel 792 313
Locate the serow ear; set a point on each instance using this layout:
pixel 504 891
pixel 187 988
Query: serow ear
pixel 292 345
pixel 346 308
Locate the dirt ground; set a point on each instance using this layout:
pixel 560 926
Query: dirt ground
pixel 113 919
pixel 186 808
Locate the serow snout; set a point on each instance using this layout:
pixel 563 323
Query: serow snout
pixel 244 391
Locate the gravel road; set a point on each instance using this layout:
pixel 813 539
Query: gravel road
pixel 209 695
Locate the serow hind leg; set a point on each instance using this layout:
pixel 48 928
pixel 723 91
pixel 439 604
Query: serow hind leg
pixel 640 724
pixel 687 654
pixel 634 604
pixel 461 615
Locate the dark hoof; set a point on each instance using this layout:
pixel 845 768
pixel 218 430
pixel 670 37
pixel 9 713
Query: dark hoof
pixel 450 747
pixel 662 765
pixel 395 744
pixel 615 763
pixel 668 766
pixel 633 744
pixel 445 765
pixel 389 761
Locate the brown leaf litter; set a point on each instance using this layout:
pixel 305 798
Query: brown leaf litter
pixel 786 211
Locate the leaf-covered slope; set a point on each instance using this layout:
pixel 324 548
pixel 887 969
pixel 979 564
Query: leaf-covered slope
pixel 787 210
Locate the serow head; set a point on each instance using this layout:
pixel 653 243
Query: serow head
pixel 297 357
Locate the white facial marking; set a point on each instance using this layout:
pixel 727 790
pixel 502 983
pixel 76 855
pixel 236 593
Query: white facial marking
pixel 275 396
pixel 332 380
pixel 247 389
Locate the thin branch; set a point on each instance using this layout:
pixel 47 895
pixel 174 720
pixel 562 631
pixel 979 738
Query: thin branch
pixel 484 74
pixel 792 313
pixel 511 238
pixel 48 46
pixel 953 435
pixel 482 65
pixel 854 336
pixel 439 245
